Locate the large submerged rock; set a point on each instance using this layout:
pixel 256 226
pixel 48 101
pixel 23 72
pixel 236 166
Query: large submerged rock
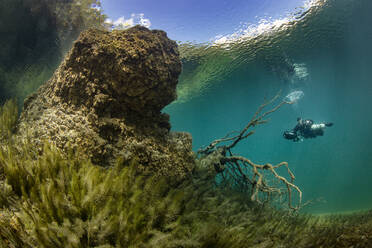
pixel 106 98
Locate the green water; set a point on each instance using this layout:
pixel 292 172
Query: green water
pixel 221 87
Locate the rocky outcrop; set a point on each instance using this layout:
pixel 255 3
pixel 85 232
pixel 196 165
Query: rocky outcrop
pixel 106 98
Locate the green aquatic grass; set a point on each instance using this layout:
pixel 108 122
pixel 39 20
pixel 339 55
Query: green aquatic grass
pixel 8 119
pixel 68 202
pixel 55 199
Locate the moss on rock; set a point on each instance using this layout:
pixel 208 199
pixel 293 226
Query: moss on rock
pixel 119 73
pixel 106 98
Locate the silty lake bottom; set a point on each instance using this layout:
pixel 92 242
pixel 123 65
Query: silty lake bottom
pixel 328 56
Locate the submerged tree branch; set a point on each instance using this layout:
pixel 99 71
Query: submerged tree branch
pixel 242 171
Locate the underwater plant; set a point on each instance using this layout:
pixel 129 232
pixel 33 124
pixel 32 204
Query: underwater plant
pixel 55 199
pixel 69 202
pixel 8 119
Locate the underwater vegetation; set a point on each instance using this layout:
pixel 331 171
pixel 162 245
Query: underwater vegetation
pixel 56 199
pixel 59 195
pixel 8 119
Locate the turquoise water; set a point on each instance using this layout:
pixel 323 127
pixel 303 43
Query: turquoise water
pixel 330 45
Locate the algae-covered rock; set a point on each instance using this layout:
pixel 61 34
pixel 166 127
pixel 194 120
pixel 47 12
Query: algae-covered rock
pixel 120 72
pixel 106 98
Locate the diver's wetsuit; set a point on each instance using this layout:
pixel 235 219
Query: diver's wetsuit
pixel 306 129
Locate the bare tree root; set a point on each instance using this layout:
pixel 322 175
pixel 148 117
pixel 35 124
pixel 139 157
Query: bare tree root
pixel 243 173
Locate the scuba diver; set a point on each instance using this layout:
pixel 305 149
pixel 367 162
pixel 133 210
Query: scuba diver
pixel 306 129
